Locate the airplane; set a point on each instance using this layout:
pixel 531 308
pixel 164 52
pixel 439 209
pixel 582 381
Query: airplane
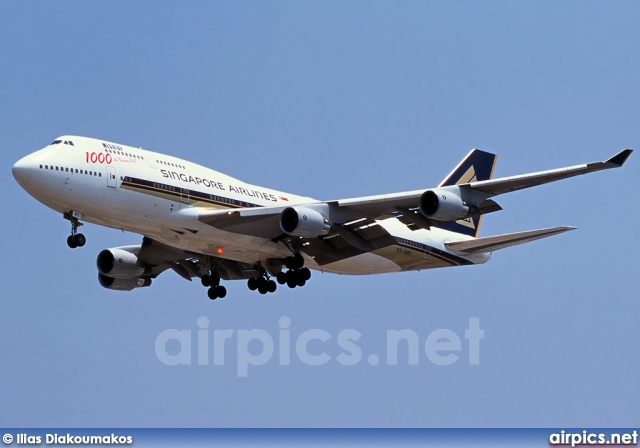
pixel 203 224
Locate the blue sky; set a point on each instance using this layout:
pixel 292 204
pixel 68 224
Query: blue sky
pixel 330 100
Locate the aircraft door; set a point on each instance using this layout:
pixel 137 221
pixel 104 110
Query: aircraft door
pixel 184 195
pixel 112 178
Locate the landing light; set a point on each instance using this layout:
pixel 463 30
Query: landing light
pixel 219 250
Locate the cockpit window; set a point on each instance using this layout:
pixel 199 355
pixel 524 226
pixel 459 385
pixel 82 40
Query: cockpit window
pixel 57 142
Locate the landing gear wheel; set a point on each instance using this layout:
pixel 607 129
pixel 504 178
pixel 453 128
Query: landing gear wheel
pixel 305 273
pixel 295 262
pixel 298 261
pixel 263 288
pixel 212 279
pixel 301 282
pixel 71 242
pixel 288 262
pixel 217 292
pixel 282 278
pixel 79 240
pixel 252 283
pixel 271 286
pixel 291 282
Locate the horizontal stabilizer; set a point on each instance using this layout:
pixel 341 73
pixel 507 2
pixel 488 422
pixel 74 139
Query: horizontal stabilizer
pixel 492 243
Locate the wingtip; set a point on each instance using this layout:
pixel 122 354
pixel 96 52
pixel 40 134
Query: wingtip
pixel 620 158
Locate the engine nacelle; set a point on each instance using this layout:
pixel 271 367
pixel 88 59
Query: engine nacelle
pixel 442 205
pixel 304 222
pixel 119 263
pixel 123 284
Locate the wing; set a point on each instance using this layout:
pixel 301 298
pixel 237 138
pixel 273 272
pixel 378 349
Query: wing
pixel 354 222
pixel 475 193
pixel 508 184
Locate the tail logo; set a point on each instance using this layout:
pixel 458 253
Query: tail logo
pixel 468 176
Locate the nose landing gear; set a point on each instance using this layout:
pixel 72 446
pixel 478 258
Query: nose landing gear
pixel 75 239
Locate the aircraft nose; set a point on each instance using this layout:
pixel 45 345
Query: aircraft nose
pixel 22 171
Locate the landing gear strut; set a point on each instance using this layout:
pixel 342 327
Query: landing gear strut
pixel 75 239
pixel 212 281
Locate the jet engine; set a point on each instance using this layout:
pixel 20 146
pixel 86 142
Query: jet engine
pixel 303 222
pixel 119 263
pixel 121 270
pixel 442 205
pixel 122 284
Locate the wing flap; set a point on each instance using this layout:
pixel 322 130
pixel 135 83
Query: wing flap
pixel 493 243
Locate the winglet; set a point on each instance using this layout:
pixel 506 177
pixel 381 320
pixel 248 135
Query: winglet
pixel 620 158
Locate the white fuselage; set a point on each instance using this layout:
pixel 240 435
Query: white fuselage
pixel 158 196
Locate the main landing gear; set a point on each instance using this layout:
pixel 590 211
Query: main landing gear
pixel 75 239
pixel 294 277
pixel 297 275
pixel 263 284
pixel 212 281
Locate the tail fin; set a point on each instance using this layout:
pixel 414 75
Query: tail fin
pixel 477 166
